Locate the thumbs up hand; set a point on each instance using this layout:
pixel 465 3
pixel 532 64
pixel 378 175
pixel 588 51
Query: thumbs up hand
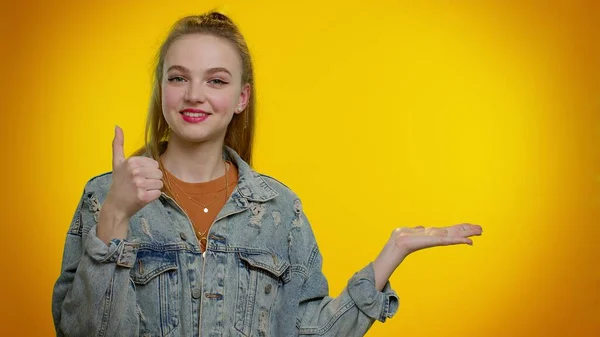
pixel 136 182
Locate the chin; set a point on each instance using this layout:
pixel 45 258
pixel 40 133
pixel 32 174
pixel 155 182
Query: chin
pixel 197 137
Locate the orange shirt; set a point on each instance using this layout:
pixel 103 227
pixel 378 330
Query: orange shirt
pixel 202 202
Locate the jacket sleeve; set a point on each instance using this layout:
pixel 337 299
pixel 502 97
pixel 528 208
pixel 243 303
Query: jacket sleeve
pixel 354 310
pixel 93 295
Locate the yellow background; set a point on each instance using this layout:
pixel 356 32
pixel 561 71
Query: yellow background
pixel 379 114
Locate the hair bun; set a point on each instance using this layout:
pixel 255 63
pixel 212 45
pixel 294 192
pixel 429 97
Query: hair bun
pixel 216 16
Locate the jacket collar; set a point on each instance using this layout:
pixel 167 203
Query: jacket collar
pixel 251 185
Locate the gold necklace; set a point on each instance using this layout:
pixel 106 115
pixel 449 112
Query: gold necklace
pixel 203 239
pixel 205 207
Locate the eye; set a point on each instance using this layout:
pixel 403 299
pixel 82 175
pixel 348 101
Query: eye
pixel 217 81
pixel 176 79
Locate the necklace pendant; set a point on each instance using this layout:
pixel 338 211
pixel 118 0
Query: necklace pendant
pixel 205 210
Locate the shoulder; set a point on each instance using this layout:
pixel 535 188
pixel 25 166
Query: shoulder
pixel 301 239
pixel 286 196
pixel 278 186
pixel 94 194
pixel 99 184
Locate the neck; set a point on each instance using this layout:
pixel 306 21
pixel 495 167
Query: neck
pixel 194 162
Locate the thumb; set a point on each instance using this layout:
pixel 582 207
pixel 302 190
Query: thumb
pixel 117 147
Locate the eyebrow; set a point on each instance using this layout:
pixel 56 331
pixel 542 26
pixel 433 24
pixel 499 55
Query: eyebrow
pixel 208 71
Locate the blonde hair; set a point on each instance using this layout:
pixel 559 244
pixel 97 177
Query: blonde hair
pixel 240 131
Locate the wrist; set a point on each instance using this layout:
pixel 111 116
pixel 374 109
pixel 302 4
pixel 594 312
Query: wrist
pixel 386 263
pixel 111 208
pixel 112 223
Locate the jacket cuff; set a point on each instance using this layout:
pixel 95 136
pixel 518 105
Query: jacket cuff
pixel 378 305
pixel 122 252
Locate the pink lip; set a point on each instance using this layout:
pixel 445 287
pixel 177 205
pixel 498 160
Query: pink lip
pixel 191 119
pixel 194 110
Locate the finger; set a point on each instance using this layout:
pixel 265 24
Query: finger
pixel 453 240
pixel 153 184
pixel 117 147
pixel 467 226
pixel 143 161
pixel 464 230
pixel 143 184
pixel 147 172
pixel 414 243
pixel 149 196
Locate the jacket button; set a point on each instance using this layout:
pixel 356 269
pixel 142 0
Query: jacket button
pixel 196 293
pixel 268 289
pixel 182 236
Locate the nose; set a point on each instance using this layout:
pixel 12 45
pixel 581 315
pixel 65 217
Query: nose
pixel 194 93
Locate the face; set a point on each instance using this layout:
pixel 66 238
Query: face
pixel 201 87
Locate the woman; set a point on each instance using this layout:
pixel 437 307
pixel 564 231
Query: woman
pixel 185 239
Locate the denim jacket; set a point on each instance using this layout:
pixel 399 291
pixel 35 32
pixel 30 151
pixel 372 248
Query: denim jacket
pixel 261 274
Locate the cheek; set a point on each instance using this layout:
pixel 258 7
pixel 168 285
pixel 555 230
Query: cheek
pixel 224 102
pixel 172 97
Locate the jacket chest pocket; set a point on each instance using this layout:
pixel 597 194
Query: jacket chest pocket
pixel 259 277
pixel 157 291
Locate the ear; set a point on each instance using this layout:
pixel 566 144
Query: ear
pixel 243 99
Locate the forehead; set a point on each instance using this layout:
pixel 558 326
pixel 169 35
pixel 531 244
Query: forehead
pixel 199 52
